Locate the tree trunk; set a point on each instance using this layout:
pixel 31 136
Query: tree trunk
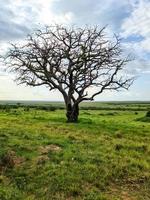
pixel 72 112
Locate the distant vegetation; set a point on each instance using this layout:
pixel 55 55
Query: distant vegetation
pixel 146 118
pixel 148 114
pixel 52 106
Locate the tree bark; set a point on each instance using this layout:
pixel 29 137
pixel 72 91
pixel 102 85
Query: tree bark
pixel 72 113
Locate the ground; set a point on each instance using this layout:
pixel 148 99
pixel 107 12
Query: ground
pixel 106 156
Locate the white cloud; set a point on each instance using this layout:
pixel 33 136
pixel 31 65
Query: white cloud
pixel 48 17
pixel 136 28
pixel 138 22
pixel 145 44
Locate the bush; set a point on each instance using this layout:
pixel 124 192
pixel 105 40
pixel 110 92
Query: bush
pixel 8 107
pixel 144 119
pixel 148 114
pixel 46 108
pixel 27 109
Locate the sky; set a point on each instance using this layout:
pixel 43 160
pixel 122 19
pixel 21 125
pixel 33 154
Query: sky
pixel 130 19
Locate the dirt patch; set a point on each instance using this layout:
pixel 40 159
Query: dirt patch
pixel 42 159
pixel 48 148
pixel 125 196
pixel 122 193
pixel 10 160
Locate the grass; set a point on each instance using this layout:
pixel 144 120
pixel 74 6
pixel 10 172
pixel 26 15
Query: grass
pixel 106 156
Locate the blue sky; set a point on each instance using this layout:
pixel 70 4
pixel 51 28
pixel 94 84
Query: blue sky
pixel 130 19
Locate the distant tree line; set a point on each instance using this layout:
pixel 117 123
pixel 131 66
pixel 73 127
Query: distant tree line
pixel 7 107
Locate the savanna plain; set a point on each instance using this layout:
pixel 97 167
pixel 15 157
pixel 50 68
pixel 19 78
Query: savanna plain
pixel 105 156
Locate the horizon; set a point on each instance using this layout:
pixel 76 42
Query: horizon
pixel 124 101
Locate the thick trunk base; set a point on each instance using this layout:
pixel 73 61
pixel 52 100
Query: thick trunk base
pixel 72 113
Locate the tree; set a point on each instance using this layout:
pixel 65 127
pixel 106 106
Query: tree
pixel 71 60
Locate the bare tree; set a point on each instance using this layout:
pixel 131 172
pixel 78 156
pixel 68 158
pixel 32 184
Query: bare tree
pixel 71 60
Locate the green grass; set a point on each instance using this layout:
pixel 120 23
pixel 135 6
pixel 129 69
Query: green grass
pixel 106 156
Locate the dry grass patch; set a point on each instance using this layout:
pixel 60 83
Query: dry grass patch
pixel 48 148
pixel 10 160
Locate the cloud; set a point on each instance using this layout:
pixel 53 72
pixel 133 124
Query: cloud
pixel 138 21
pixel 138 24
pixel 129 18
pixel 18 18
pixel 97 12
pixel 135 29
pixel 15 19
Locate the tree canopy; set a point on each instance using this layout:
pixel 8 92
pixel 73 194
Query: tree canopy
pixel 71 60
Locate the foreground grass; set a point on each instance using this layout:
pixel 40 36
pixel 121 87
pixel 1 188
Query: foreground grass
pixel 104 157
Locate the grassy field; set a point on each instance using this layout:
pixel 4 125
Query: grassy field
pixel 106 156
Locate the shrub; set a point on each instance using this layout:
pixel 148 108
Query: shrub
pixel 148 114
pixel 27 109
pixel 46 108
